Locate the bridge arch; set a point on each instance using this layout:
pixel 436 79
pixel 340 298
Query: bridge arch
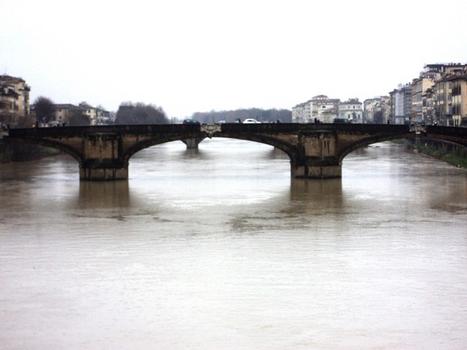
pixel 146 143
pixel 287 148
pixel 55 144
pixel 371 140
pixel 368 141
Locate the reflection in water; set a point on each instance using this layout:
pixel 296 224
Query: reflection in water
pixel 95 195
pixel 329 191
pixel 220 249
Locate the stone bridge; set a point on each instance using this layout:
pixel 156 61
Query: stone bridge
pixel 315 150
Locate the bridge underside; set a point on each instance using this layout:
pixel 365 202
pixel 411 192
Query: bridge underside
pixel 315 151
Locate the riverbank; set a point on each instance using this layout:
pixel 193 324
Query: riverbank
pixel 20 153
pixel 451 154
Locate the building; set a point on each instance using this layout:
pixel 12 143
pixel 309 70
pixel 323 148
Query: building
pixel 442 103
pixel 432 98
pixel 447 97
pixel 428 107
pixel 104 117
pixel 14 99
pixel 63 112
pixel 458 87
pixel 377 110
pixel 298 113
pixel 442 69
pixel 324 109
pixel 351 110
pixel 428 98
pixel 401 104
pixel 319 109
pixel 90 111
pixel 96 115
pixel 419 89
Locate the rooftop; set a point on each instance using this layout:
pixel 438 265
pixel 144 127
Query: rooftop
pixel 10 79
pixel 453 77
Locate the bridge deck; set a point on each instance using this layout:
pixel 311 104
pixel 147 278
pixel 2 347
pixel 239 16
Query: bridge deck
pixel 68 131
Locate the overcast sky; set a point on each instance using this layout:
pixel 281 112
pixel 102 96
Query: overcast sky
pixel 201 55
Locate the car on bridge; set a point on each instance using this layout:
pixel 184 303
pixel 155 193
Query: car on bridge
pixel 191 121
pixel 341 121
pixel 251 121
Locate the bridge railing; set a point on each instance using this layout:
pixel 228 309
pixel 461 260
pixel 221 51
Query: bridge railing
pixel 296 127
pixel 68 131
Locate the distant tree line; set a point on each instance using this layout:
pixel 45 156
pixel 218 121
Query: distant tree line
pixel 262 115
pixel 140 113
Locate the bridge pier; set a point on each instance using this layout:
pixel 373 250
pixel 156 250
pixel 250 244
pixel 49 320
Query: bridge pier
pixel 102 159
pixel 102 174
pixel 316 156
pixel 192 143
pixel 315 170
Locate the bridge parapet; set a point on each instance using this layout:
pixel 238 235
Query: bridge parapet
pixel 211 129
pixel 418 129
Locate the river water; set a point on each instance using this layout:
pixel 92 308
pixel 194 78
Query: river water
pixel 219 249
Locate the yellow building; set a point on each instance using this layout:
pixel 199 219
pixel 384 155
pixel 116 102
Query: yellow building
pixel 458 84
pixel 14 99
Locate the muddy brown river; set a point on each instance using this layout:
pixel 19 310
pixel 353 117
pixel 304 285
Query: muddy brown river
pixel 219 249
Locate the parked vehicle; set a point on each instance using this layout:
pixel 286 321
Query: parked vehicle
pixel 251 121
pixel 191 121
pixel 53 124
pixel 341 121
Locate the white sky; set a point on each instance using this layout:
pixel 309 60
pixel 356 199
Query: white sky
pixel 200 55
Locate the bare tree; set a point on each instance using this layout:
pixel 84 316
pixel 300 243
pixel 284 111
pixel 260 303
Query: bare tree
pixel 140 113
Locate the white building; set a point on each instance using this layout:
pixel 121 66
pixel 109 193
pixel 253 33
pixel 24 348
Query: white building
pixel 90 111
pixel 104 117
pixel 298 113
pixel 351 110
pixel 319 109
pixel 377 110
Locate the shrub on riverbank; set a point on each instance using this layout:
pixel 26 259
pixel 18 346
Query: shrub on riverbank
pixel 450 155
